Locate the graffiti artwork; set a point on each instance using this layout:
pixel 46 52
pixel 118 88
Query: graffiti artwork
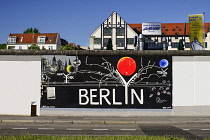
pixel 107 82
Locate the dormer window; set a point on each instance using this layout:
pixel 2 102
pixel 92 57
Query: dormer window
pixel 41 39
pixel 51 38
pixel 12 39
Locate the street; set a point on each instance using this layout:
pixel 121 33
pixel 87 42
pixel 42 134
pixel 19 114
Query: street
pixel 189 131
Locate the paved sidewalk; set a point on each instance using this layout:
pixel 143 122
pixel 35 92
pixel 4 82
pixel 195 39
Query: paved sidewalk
pixel 106 120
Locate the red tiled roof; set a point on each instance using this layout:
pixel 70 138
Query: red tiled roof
pixel 171 28
pixel 72 44
pixel 51 38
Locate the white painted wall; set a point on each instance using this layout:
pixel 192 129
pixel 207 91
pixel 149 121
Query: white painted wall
pixel 191 80
pixel 201 81
pixel 19 84
pixel 25 46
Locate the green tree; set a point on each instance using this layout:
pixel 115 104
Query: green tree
pixel 34 46
pixel 180 45
pixel 35 30
pixel 3 46
pixel 109 45
pixel 67 47
pixel 31 30
pixel 43 48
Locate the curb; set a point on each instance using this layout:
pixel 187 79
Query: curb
pixel 102 122
pixel 17 121
pixel 120 122
pixel 67 122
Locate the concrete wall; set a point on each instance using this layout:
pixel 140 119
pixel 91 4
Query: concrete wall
pixel 20 84
pixel 191 80
pixel 191 85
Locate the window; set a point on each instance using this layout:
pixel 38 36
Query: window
pixel 50 47
pixel 174 44
pixel 41 39
pixel 97 40
pixel 11 47
pixel 187 44
pixel 20 47
pixel 51 38
pixel 120 31
pixel 120 42
pixel 12 39
pixel 130 41
pixel 107 32
pixel 105 41
pixel 166 29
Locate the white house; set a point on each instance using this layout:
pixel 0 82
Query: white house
pixel 117 29
pixel 49 41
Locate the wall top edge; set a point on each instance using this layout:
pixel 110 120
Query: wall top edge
pixel 109 52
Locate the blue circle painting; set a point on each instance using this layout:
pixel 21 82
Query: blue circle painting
pixel 163 63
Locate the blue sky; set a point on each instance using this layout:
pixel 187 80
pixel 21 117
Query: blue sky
pixel 75 20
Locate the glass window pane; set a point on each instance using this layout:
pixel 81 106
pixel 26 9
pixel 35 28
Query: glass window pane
pixel 107 31
pixel 174 44
pixel 106 41
pixel 130 40
pixel 187 44
pixel 120 42
pixel 120 31
pixel 97 40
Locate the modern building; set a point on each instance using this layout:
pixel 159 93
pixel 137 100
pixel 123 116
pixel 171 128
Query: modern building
pixel 123 35
pixel 49 41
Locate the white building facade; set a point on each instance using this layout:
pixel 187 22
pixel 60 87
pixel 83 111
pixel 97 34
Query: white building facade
pixel 48 41
pixel 114 27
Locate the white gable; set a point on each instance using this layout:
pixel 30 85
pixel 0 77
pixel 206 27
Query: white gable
pixel 113 21
pixel 117 29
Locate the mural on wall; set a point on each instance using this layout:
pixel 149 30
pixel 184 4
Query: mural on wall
pixel 107 82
